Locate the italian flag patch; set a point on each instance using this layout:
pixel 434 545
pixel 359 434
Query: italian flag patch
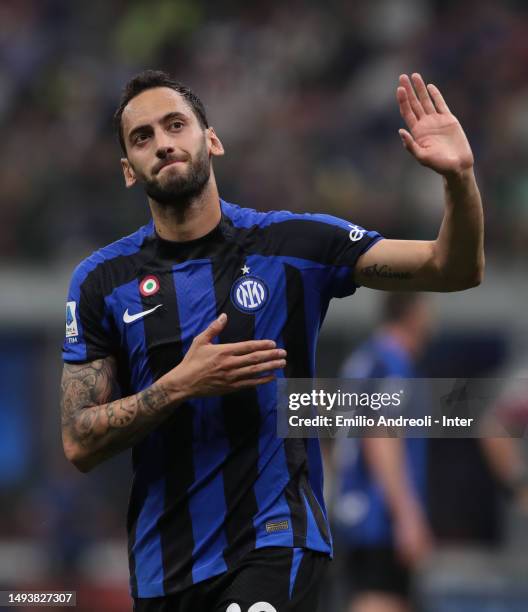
pixel 149 286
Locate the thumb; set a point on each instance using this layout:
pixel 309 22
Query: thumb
pixel 210 333
pixel 409 143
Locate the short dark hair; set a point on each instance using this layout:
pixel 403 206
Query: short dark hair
pixel 397 305
pixel 148 79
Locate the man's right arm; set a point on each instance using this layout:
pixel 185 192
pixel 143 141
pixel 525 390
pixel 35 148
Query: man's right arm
pixel 385 458
pixel 95 428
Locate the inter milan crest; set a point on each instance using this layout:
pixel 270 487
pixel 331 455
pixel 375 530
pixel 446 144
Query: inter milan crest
pixel 248 292
pixel 149 286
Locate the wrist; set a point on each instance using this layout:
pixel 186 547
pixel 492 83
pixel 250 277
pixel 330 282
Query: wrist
pixel 456 179
pixel 176 385
pixel 408 508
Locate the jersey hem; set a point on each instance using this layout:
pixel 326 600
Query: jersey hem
pixel 156 589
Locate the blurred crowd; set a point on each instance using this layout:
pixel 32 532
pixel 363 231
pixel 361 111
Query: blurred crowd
pixel 302 94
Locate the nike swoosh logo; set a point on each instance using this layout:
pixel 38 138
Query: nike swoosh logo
pixel 128 318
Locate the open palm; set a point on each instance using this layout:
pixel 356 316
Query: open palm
pixel 436 138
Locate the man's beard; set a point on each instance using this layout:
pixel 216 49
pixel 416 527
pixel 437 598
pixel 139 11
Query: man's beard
pixel 181 190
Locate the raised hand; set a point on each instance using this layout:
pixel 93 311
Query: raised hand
pixel 435 137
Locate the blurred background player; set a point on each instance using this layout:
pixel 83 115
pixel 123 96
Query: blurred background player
pixel 380 511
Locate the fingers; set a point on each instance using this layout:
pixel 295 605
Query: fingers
pixel 210 333
pixel 438 99
pixel 414 103
pixel 423 94
pixel 416 99
pixel 256 363
pixel 254 382
pixel 248 346
pixel 405 108
pixel 253 371
pixel 255 357
pixel 409 143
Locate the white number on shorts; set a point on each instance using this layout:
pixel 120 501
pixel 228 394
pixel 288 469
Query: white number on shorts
pixel 260 606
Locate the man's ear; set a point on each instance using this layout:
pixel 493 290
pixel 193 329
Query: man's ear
pixel 216 148
pixel 128 172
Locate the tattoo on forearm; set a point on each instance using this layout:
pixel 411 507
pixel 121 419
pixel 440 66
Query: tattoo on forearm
pixel 385 271
pixel 121 413
pixel 151 398
pixel 89 416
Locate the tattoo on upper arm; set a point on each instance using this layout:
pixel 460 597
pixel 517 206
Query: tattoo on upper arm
pixel 86 385
pixel 86 390
pixel 385 271
pixel 87 410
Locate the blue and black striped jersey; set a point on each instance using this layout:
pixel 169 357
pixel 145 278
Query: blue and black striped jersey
pixel 214 481
pixel 362 515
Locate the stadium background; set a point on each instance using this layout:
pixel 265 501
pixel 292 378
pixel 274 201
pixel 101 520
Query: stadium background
pixel 302 95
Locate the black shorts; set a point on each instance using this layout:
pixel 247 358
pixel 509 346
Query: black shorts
pixel 266 580
pixel 376 569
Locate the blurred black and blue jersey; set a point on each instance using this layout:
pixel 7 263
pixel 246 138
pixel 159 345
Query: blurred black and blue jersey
pixel 361 513
pixel 214 482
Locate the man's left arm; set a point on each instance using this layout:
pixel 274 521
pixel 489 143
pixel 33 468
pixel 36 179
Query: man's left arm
pixel 455 260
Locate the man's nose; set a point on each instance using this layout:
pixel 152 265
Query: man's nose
pixel 164 151
pixel 164 146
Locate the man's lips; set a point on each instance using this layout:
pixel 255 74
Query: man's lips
pixel 168 163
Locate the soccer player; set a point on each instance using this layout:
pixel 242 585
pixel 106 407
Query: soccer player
pixel 176 334
pixel 380 504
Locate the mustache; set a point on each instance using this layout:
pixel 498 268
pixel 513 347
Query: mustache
pixel 166 161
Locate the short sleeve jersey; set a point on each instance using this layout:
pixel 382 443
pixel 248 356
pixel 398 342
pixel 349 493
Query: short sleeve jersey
pixel 214 481
pixel 361 511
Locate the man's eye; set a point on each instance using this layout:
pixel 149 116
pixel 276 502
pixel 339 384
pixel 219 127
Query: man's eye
pixel 140 138
pixel 176 125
